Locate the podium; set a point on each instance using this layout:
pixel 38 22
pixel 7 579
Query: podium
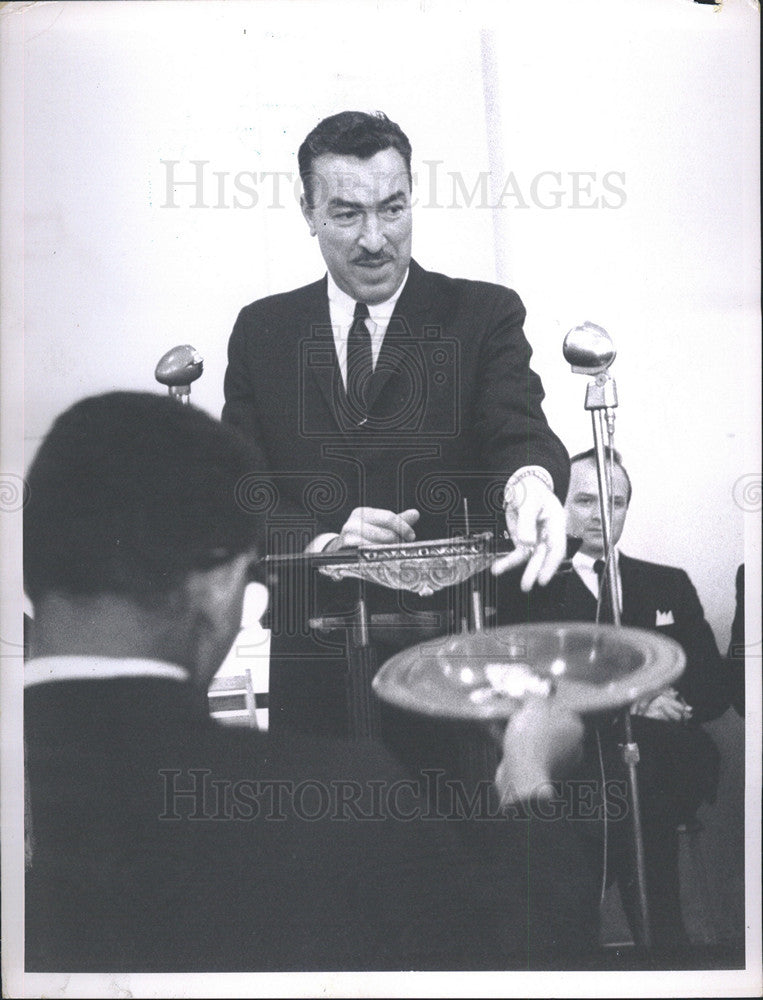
pixel 368 613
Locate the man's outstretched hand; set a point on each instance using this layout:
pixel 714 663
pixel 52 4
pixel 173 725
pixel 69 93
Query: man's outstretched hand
pixel 537 525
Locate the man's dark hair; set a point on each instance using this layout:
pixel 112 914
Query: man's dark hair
pixel 131 491
pixel 611 454
pixel 351 133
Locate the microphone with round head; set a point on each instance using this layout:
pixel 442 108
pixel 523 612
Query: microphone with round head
pixel 177 369
pixel 589 349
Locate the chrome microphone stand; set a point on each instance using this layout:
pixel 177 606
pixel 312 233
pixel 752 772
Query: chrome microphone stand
pixel 590 351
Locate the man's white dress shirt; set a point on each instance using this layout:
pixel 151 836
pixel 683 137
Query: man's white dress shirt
pixel 583 565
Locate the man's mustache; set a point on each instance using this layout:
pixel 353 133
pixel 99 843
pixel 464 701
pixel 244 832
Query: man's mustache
pixel 372 258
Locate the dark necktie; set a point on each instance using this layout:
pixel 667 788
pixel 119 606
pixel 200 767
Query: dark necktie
pixel 360 361
pixel 605 606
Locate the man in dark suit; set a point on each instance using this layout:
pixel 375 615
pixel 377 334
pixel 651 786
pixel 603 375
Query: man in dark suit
pixel 380 398
pixel 678 766
pixel 164 842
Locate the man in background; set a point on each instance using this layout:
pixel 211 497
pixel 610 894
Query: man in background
pixel 678 767
pixel 165 842
pixel 380 398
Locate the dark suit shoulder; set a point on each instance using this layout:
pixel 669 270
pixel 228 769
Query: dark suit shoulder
pixel 468 284
pixel 443 288
pixel 424 287
pixel 296 299
pixel 653 569
pixel 646 584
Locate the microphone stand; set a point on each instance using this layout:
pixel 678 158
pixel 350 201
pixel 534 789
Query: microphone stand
pixel 589 350
pixel 177 369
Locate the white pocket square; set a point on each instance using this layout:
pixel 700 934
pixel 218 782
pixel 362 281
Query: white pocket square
pixel 664 618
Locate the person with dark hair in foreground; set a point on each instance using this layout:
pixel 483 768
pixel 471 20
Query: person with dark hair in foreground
pixel 679 761
pixel 165 842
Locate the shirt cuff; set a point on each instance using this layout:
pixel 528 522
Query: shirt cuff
pixel 320 542
pixel 509 493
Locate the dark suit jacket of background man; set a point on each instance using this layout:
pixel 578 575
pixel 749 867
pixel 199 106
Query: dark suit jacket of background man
pixel 647 589
pixel 454 411
pixel 122 879
pixel 679 762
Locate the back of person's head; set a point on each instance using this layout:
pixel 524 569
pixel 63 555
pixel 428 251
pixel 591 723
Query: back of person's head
pixel 351 133
pixel 610 455
pixel 128 493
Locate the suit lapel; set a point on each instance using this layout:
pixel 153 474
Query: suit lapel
pixel 635 611
pixel 318 361
pixel 578 603
pixel 564 598
pixel 404 330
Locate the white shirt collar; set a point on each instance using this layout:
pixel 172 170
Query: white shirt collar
pixel 583 565
pixel 342 312
pixel 49 669
pixel 586 562
pixel 346 303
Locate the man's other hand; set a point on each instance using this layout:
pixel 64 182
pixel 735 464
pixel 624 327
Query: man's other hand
pixel 536 522
pixel 374 526
pixel 668 706
pixel 542 741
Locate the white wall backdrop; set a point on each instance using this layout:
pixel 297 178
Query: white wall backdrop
pixel 601 157
pixel 658 100
pixel 618 140
pixel 122 102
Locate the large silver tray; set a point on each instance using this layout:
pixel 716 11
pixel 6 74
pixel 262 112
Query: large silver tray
pixel 485 675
